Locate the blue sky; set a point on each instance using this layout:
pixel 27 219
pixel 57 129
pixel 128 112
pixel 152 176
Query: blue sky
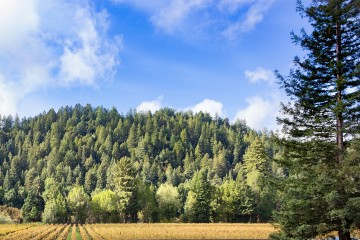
pixel 216 56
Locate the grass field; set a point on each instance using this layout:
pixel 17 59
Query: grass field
pixel 9 228
pixel 135 231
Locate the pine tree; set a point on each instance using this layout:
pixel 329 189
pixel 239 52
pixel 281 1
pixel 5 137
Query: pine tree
pixel 147 202
pixel 32 208
pixel 202 189
pixel 123 183
pixel 55 210
pixel 90 181
pixel 318 125
pixel 258 175
pixel 189 207
pixel 245 199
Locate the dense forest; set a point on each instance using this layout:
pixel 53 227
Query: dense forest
pixel 86 164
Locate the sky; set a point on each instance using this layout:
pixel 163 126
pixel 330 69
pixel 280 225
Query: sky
pixel 215 56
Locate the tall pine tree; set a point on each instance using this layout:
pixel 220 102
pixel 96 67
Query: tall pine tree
pixel 320 123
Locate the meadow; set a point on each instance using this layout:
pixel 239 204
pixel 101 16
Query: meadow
pixel 135 231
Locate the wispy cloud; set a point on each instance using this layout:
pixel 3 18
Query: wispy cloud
pixel 52 44
pixel 254 15
pixel 149 6
pixel 225 18
pixel 232 6
pixel 151 106
pixel 260 74
pixel 172 16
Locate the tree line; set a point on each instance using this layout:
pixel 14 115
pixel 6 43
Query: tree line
pixel 89 164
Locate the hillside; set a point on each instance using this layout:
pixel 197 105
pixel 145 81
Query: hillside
pixel 96 165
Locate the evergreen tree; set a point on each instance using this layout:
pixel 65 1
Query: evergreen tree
pixel 219 165
pixel 123 183
pixel 81 146
pixel 148 208
pixel 245 199
pixel 258 174
pixel 90 181
pixel 32 208
pixel 323 118
pixel 189 207
pixel 55 210
pixel 229 203
pixel 200 186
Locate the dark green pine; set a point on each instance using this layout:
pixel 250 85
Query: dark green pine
pixel 321 124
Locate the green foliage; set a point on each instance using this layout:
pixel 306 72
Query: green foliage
pixel 189 207
pixel 43 157
pixel 201 188
pixel 321 126
pixel 105 206
pixel 258 173
pixel 233 201
pixel 78 202
pixel 147 201
pixel 169 202
pixel 32 208
pixel 123 183
pixel 4 219
pixel 55 210
pixel 52 189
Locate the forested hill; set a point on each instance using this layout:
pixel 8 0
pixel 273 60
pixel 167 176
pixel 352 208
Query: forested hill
pixel 96 165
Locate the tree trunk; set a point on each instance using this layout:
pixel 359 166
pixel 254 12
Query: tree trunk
pixel 344 235
pixel 339 116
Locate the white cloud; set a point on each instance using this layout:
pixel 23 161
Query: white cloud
pixel 254 15
pixel 260 74
pixel 260 113
pixel 197 16
pixel 212 107
pixel 93 59
pixel 51 44
pixel 172 16
pixel 151 106
pixel 17 19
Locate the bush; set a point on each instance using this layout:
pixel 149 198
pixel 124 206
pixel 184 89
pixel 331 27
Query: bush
pixel 5 219
pixel 14 214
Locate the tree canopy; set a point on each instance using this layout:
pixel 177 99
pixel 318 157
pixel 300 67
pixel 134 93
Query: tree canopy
pixel 72 164
pixel 321 125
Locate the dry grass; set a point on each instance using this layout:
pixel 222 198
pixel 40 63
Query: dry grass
pixel 30 233
pixel 63 235
pixel 83 233
pixel 139 231
pixel 8 228
pixel 183 231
